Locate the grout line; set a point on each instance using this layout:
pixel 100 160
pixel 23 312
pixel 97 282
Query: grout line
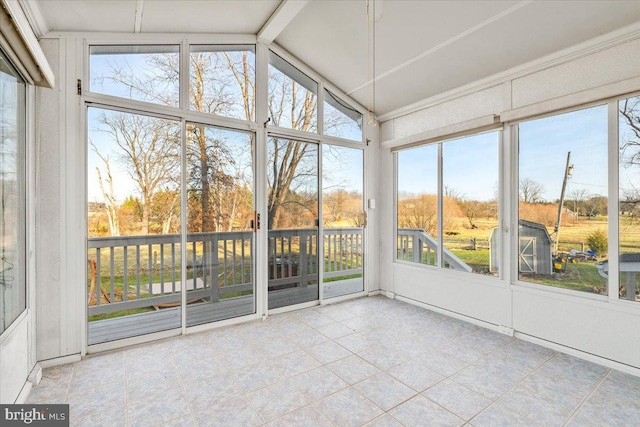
pixel 127 422
pixel 384 327
pixel 579 406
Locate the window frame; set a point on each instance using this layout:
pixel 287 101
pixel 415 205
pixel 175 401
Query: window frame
pixel 23 179
pixel 261 129
pixel 440 265
pixel 611 296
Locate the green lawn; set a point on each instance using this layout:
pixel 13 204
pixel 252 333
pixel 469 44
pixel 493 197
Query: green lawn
pixel 582 276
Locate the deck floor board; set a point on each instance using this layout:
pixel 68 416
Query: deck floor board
pixel 117 328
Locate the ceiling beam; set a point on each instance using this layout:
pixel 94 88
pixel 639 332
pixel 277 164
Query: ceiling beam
pixel 278 21
pixel 137 25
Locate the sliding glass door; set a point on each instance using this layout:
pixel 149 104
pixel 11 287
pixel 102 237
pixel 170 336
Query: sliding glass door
pixel 292 171
pixel 343 220
pixel 220 249
pixel 134 245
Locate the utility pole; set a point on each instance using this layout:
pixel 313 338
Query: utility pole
pixel 568 171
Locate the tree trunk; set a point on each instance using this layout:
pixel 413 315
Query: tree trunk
pixel 204 181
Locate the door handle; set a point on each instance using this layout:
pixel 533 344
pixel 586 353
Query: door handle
pixel 255 222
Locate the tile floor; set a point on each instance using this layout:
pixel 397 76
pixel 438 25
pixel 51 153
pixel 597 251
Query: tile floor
pixel 371 361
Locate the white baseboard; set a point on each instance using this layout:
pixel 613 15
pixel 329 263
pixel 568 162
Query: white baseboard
pixel 36 375
pixel 580 354
pixel 24 393
pixel 541 342
pixel 453 314
pixel 60 361
pixel 389 294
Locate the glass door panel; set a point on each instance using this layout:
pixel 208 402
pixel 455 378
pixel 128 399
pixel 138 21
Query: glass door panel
pixel 629 234
pixel 220 257
pixel 343 220
pixel 293 222
pixel 133 260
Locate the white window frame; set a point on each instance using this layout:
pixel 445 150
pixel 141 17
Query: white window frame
pixel 440 196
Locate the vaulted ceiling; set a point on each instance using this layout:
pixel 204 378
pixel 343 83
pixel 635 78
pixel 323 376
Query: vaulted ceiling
pixel 422 48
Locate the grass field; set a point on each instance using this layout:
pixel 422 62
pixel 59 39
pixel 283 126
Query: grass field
pixel 581 276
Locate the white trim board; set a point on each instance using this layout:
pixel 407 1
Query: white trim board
pixel 457 130
pixel 606 41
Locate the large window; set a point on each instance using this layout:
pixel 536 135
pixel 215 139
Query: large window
pixel 418 205
pixel 340 119
pixel 142 73
pixel 343 219
pixel 467 194
pixel 134 255
pixel 223 80
pixel 293 101
pixel 12 193
pixel 563 194
pixel 629 249
pixel 470 185
pixel 220 211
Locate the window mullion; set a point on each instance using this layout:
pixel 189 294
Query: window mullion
pixel 613 282
pixel 320 112
pixel 440 260
pixel 184 76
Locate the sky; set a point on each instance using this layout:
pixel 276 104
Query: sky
pixel 544 145
pixel 470 164
pixel 470 167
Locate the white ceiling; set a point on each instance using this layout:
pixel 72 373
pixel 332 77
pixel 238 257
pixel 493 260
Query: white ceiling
pixel 423 48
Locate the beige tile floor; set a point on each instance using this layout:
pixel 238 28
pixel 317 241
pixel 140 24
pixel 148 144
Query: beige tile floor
pixel 371 361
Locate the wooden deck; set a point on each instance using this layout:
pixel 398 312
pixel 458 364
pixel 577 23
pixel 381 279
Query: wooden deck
pixel 101 331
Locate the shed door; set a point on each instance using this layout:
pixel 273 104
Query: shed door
pixel 527 255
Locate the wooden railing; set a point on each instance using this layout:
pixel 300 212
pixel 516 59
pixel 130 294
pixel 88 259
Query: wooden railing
pixel 136 272
pixel 343 250
pixel 293 259
pixel 417 246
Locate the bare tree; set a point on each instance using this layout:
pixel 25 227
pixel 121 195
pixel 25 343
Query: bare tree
pixel 578 196
pixel 149 149
pixel 221 83
pixel 531 191
pixel 419 212
pixel 291 165
pixel 471 209
pixel 165 211
pixel 630 155
pixel 630 146
pixel 108 196
pixel 596 205
pixel 290 162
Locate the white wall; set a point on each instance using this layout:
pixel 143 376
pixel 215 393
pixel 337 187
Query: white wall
pixel 605 328
pixel 14 359
pixel 58 220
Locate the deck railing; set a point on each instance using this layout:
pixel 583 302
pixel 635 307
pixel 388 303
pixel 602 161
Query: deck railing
pixel 343 249
pixel 136 272
pixel 416 245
